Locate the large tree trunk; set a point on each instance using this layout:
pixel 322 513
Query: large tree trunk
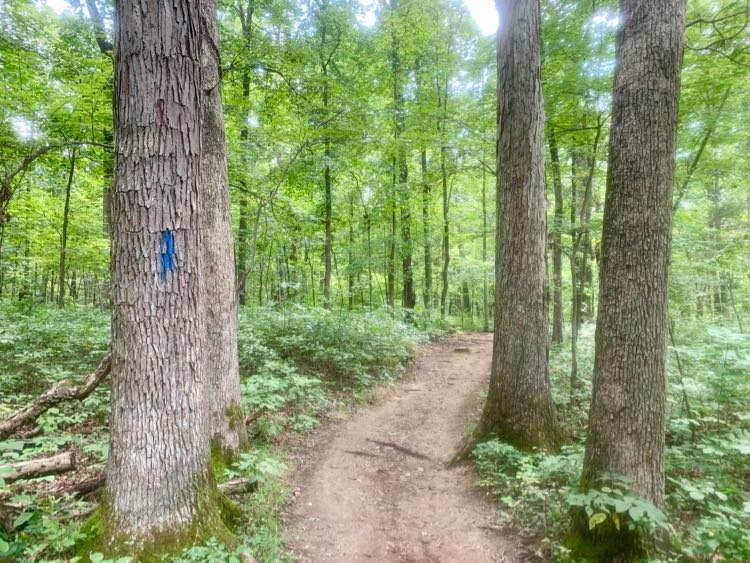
pixel 64 233
pixel 221 362
pixel 161 493
pixel 557 297
pixel 626 421
pixel 519 405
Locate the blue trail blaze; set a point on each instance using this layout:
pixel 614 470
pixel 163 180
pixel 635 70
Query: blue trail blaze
pixel 168 261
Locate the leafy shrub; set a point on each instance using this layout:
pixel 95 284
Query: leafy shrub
pixel 348 348
pixel 532 486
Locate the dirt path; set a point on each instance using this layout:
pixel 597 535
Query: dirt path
pixel 375 488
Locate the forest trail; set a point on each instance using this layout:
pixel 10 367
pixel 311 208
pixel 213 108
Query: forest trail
pixel 375 487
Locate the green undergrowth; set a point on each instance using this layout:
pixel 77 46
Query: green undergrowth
pixel 707 517
pixel 297 366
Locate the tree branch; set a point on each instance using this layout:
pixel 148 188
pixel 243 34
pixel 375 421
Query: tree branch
pixel 59 392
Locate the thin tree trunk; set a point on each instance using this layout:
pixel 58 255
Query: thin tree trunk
pixel 328 247
pixel 390 268
pixel 426 200
pixel 627 417
pixel 161 494
pixel 350 255
pixel 682 190
pixel 401 171
pixel 557 297
pixel 446 233
pixel 485 291
pixel 64 235
pixel 519 405
pixel 246 21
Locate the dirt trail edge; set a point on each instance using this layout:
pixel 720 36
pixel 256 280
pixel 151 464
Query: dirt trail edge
pixel 375 487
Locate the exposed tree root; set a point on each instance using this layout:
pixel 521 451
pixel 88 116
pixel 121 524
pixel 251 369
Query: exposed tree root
pixel 401 449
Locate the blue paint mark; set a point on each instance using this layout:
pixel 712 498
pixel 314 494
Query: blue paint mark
pixel 168 260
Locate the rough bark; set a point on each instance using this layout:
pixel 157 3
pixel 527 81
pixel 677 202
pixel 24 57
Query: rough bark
pixel 160 494
pixel 557 297
pixel 519 406
pixel 626 420
pixel 64 233
pixel 221 362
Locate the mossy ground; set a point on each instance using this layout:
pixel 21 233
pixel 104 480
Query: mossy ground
pixel 214 514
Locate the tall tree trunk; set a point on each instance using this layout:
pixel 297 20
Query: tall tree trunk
pixel 519 405
pixel 328 246
pixel 64 234
pixel 221 363
pixel 2 266
pixel 161 493
pixel 350 255
pixel 446 232
pixel 485 291
pixel 246 20
pixel 627 416
pixel 557 297
pixel 390 266
pixel 401 171
pixel 426 200
pixel 575 321
pixel 104 43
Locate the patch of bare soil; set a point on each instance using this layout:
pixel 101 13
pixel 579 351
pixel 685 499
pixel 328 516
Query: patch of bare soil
pixel 375 487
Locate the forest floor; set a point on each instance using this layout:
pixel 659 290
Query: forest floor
pixel 375 487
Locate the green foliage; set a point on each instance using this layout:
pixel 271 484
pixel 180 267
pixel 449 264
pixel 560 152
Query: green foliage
pixel 349 349
pixel 617 505
pixel 41 345
pixel 532 487
pixel 281 390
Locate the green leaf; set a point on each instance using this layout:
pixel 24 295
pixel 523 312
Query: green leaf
pixel 596 519
pixel 616 520
pixel 96 557
pixel 636 513
pixel 4 546
pixel 22 518
pixel 622 505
